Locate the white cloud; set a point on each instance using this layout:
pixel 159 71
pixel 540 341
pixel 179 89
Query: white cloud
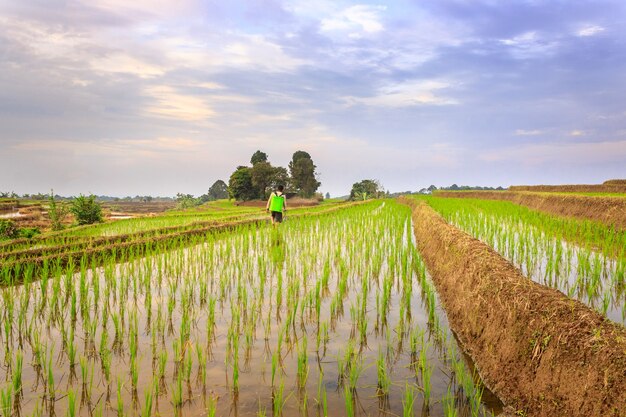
pixel 356 21
pixel 577 133
pixel 589 30
pixel 169 103
pixel 523 132
pixel 413 93
pixel 529 45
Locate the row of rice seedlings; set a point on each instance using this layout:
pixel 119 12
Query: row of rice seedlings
pixel 210 296
pixel 593 277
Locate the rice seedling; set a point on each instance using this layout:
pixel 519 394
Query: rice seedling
pixel 408 400
pixel 71 403
pixel 6 401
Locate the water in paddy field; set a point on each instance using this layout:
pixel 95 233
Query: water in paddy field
pixel 586 275
pixel 328 315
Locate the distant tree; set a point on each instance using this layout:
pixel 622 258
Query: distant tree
pixel 280 176
pixel 454 187
pixel 218 191
pixel 86 209
pixel 56 212
pixel 327 196
pixel 240 185
pixel 261 175
pixel 257 157
pixel 185 201
pixel 432 188
pixel 303 175
pixel 366 189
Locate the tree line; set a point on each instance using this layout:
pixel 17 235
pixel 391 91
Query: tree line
pixel 261 178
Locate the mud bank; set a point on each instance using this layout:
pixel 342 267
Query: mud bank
pixel 608 210
pixel 541 352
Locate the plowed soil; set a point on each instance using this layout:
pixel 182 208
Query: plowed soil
pixel 608 210
pixel 611 186
pixel 541 352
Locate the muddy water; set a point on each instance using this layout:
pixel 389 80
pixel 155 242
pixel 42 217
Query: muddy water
pixel 255 277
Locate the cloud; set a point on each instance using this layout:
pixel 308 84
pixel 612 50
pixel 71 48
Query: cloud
pixel 522 132
pixel 168 102
pixel 530 45
pixel 356 21
pixel 590 30
pixel 413 93
pixel 577 133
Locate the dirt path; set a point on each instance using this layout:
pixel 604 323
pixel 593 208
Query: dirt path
pixel 608 210
pixel 541 352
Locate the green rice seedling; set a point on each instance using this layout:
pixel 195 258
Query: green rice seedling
pixel 303 366
pixel 6 401
pixel 449 407
pixel 275 359
pixel 71 403
pixel 146 410
pixel 349 401
pixel 407 401
pixel 426 373
pixel 212 406
pixel 17 374
pixel 120 399
pixel 384 382
pixel 278 401
pixel 324 403
pixel 177 392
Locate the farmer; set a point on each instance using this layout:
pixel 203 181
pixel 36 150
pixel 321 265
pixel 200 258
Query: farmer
pixel 277 204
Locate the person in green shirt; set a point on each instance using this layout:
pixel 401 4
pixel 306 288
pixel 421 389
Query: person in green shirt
pixel 277 205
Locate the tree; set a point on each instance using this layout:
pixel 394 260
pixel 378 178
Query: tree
pixel 432 188
pixel 261 175
pixel 366 189
pixel 56 212
pixel 185 201
pixel 327 195
pixel 240 184
pixel 257 157
pixel 86 210
pixel 218 191
pixel 303 175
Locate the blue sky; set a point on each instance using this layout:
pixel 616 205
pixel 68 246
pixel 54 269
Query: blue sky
pixel 141 97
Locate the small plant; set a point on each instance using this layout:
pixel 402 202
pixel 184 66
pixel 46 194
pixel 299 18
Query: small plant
pixel 86 210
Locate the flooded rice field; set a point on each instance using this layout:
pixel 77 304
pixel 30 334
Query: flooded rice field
pixel 330 315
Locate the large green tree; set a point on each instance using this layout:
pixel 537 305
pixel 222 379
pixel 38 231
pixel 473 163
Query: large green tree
pixel 240 185
pixel 218 191
pixel 366 189
pixel 261 174
pixel 303 175
pixel 257 157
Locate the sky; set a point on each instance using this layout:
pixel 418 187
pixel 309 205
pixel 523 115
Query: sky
pixel 146 97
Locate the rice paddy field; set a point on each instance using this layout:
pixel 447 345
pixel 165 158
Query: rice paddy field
pixel 584 259
pixel 331 313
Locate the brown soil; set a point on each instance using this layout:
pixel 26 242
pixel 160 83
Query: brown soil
pixel 139 207
pixel 611 186
pixel 541 352
pixel 608 210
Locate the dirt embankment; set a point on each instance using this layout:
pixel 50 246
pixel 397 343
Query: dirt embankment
pixel 291 203
pixel 538 350
pixel 608 210
pixel 611 186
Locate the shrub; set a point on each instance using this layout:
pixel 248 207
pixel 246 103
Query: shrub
pixel 8 229
pixel 86 210
pixel 29 232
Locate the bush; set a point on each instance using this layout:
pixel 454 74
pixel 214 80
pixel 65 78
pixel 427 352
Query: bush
pixel 29 232
pixel 8 229
pixel 86 210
